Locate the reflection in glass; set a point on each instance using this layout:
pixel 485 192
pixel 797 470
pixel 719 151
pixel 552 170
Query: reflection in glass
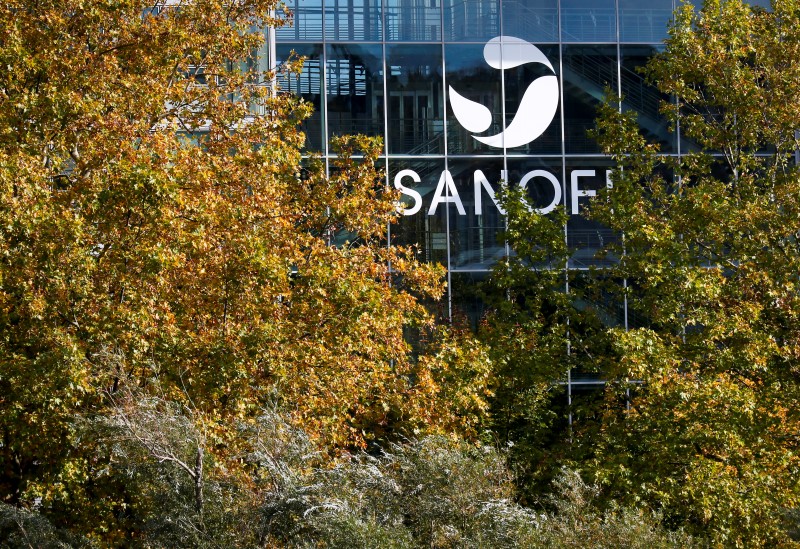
pixel 468 76
pixel 471 20
pixel 353 20
pixel 416 110
pixel 542 179
pixel 588 21
pixel 645 99
pixel 644 21
pixel 587 72
pixel 531 20
pixel 475 231
pixel 355 89
pixel 308 85
pixel 413 20
pixel 306 21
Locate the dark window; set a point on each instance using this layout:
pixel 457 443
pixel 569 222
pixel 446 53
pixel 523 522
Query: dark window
pixel 355 89
pixel 416 105
pixel 587 72
pixel 308 85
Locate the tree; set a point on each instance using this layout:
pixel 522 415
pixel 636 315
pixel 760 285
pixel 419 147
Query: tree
pixel 159 216
pixel 710 253
pixel 536 332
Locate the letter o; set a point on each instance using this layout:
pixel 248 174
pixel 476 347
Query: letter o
pixel 553 181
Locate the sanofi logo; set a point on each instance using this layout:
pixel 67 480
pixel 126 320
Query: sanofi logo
pixel 535 113
pixel 536 109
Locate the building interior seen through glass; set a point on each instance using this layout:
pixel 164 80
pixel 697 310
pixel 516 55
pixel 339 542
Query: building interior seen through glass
pixel 468 94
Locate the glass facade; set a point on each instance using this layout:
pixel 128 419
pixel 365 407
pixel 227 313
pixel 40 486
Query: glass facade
pixel 468 94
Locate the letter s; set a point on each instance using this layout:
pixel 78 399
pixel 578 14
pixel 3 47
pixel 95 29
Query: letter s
pixel 408 192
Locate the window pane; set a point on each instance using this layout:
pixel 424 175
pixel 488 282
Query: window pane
pixel 542 180
pixel 532 20
pixel 644 98
pixel 413 20
pixel 586 178
pixel 588 71
pixel 471 20
pixel 476 89
pixel 416 106
pixel 588 21
pixel 644 21
pixel 521 82
pixel 427 232
pixel 308 85
pixel 355 89
pixel 475 238
pixel 353 20
pixel 306 21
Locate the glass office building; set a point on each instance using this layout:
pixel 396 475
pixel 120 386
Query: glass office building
pixel 469 93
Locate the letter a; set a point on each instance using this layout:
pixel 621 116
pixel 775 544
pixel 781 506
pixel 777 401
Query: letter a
pixel 452 194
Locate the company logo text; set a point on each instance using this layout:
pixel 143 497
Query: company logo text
pixel 446 192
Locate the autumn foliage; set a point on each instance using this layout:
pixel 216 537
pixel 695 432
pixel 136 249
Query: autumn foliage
pixel 206 335
pixel 159 222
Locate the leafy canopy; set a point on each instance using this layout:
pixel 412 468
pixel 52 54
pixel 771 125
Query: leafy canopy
pixel 159 218
pixel 711 257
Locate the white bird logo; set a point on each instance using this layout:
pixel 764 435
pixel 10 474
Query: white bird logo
pixel 536 109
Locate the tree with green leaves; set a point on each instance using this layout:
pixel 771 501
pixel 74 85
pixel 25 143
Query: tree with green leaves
pixel 711 256
pixel 537 334
pixel 700 415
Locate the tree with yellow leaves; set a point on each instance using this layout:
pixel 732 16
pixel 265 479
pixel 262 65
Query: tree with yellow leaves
pixel 160 222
